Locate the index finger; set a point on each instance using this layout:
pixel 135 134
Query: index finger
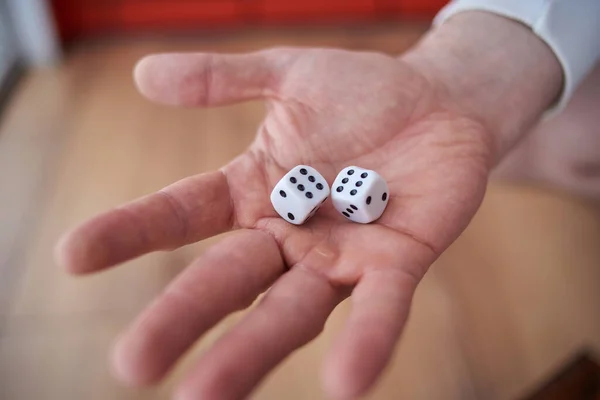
pixel 192 209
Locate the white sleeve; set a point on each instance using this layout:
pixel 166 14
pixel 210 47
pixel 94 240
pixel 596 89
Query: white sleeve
pixel 571 28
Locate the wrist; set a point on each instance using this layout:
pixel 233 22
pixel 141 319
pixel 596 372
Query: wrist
pixel 490 68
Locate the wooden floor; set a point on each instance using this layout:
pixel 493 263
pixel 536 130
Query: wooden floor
pixel 517 295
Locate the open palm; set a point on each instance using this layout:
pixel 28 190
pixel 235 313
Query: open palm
pixel 328 109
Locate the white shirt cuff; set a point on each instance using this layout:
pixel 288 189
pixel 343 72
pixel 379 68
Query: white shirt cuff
pixel 571 28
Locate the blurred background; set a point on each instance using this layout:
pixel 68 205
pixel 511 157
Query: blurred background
pixel 511 310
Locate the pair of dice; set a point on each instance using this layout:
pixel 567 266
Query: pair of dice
pixel 359 194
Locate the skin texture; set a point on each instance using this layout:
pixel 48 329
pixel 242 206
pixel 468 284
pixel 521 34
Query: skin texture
pixel 367 109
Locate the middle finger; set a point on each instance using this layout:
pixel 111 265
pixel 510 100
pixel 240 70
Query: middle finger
pixel 227 278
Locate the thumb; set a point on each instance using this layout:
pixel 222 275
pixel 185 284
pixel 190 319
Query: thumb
pixel 209 79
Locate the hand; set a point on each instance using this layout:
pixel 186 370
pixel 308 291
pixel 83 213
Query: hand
pixel 328 109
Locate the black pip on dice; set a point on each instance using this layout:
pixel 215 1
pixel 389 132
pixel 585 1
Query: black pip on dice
pixel 361 195
pixel 299 194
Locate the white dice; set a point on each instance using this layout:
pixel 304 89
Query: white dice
pixel 361 195
pixel 299 194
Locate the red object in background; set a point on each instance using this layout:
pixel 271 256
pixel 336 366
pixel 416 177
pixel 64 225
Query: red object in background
pixel 317 10
pixel 415 8
pixel 77 18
